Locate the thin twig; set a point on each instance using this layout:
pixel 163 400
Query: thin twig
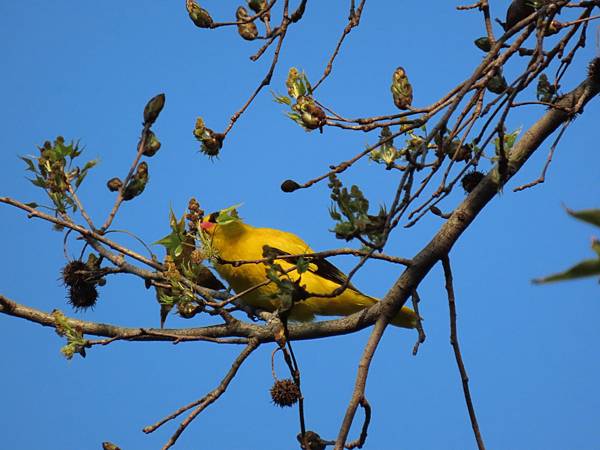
pixel 205 401
pixel 457 354
pixel 353 21
pixel 542 176
pixel 119 199
pixel 421 338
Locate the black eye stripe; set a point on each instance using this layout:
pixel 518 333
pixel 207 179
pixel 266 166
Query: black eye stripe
pixel 213 217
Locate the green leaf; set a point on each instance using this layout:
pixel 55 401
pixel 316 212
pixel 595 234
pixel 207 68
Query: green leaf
pixel 284 100
pixel 586 268
pixel 29 162
pixel 89 165
pixel 80 178
pixel 587 215
pixel 228 215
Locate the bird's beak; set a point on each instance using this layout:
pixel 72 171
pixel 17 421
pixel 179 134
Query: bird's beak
pixel 206 226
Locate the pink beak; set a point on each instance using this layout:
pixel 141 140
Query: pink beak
pixel 206 225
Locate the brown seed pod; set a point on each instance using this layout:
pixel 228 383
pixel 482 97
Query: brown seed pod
pixel 83 295
pixel 285 392
pixel 75 272
pixel 471 180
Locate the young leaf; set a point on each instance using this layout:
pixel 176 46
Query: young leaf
pixel 586 268
pixel 591 216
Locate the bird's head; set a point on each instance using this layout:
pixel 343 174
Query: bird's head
pixel 225 220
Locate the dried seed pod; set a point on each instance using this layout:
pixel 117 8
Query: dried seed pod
pixel 75 272
pixel 471 180
pixel 83 295
pixel 594 71
pixel 285 392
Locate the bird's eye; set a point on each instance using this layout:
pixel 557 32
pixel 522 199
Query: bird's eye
pixel 213 217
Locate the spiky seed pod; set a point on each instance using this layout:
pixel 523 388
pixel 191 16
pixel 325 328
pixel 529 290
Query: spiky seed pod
pixel 594 72
pixel 114 184
pixel 471 180
pixel 83 295
pixel 401 88
pixel 200 16
pixel 151 145
pixel 75 272
pixel 153 109
pixel 289 186
pixel 483 44
pixel 497 84
pixel 212 142
pixel 285 392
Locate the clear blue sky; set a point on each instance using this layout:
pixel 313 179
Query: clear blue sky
pixel 85 70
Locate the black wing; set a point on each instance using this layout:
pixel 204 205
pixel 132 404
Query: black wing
pixel 324 268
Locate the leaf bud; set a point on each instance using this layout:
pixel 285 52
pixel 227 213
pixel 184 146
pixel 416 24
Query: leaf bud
pixel 153 109
pixel 289 186
pixel 151 145
pixel 200 16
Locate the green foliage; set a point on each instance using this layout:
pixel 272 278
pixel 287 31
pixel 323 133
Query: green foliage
pixel 304 111
pixel 351 212
pixel 75 341
pixel 288 291
pixel 587 267
pixel 173 242
pixel 509 141
pixel 54 171
pixel 545 91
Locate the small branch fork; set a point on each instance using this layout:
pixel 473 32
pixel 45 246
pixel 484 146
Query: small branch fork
pixel 457 354
pixel 201 404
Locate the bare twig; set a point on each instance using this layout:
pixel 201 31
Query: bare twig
pixel 119 199
pixel 459 361
pixel 207 400
pixel 353 21
pixel 421 338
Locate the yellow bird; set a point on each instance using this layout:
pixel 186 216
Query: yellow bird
pixel 229 239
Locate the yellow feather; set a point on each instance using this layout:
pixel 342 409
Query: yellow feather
pixel 236 241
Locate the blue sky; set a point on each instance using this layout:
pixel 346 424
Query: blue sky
pixel 85 70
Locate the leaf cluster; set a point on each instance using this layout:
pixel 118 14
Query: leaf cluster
pixel 350 210
pixel 55 172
